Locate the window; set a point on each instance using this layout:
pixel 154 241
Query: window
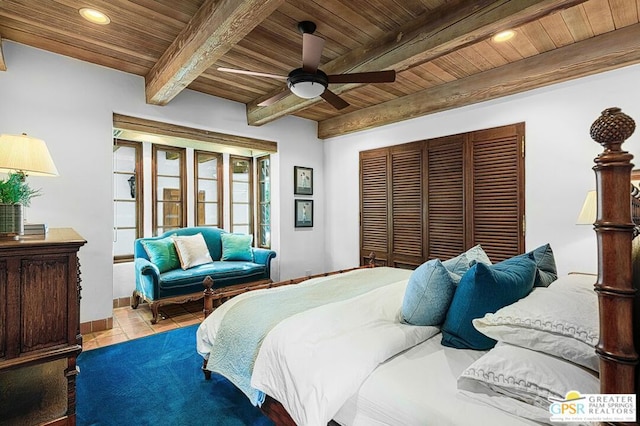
pixel 240 170
pixel 168 189
pixel 127 196
pixel 264 202
pixel 208 196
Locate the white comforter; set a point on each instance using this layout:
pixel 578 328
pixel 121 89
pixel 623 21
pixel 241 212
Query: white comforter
pixel 310 346
pixel 314 361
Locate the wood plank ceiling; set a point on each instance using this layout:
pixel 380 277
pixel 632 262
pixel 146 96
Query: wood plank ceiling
pixel 441 50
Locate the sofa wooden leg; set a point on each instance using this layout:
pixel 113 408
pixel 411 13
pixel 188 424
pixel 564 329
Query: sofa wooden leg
pixel 154 310
pixel 135 299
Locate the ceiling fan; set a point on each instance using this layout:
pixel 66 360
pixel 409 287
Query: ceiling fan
pixel 308 81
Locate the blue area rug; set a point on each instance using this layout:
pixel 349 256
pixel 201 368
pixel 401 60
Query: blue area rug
pixel 156 380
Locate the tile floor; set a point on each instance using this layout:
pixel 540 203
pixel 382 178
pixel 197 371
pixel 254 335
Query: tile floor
pixel 131 323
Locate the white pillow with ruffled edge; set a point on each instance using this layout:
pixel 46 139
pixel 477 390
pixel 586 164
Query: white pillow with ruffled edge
pixel 521 381
pixel 561 320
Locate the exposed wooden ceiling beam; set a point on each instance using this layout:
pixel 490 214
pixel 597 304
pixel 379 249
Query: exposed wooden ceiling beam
pixel 3 65
pixel 602 53
pixel 418 42
pixel 214 29
pixel 151 127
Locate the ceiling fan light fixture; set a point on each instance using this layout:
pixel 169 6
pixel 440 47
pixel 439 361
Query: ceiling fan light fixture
pixel 94 16
pixel 307 89
pixel 307 85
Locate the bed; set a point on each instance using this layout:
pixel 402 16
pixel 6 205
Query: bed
pixel 351 349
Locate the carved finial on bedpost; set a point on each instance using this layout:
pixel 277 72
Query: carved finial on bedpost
pixel 615 230
pixel 208 296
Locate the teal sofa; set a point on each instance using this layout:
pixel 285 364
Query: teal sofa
pixel 179 286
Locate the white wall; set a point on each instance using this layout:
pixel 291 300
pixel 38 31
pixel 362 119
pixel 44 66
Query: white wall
pixel 559 157
pixel 70 104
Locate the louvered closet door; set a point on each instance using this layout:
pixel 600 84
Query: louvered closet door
pixel 498 191
pixel 445 198
pixel 374 206
pixel 438 197
pixel 406 206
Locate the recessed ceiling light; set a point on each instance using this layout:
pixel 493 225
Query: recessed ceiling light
pixel 94 16
pixel 503 36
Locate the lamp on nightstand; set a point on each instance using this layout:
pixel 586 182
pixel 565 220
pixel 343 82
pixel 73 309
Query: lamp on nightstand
pixel 20 155
pixel 589 211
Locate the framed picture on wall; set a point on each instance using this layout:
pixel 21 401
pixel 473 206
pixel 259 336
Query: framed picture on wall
pixel 304 213
pixel 302 180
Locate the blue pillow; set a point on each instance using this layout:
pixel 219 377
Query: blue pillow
pixel 485 289
pixel 428 294
pixel 546 271
pixel 461 263
pixel 162 253
pixel 237 247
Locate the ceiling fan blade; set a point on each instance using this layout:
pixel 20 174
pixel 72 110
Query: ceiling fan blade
pixel 311 52
pixel 272 100
pixel 336 101
pixel 364 77
pixel 258 74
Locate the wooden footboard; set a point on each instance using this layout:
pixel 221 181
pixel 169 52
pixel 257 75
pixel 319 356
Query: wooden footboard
pixel 213 298
pixel 276 412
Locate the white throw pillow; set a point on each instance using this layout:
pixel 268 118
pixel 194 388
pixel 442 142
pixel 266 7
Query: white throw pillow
pixel 521 381
pixel 560 320
pixel 192 250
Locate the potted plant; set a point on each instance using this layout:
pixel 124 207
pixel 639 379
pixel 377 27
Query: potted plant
pixel 15 193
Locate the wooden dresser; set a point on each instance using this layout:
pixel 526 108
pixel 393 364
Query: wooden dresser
pixel 39 323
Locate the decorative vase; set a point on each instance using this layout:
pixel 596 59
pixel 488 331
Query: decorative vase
pixel 11 222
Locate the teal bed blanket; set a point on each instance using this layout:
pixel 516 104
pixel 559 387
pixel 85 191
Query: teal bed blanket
pixel 236 331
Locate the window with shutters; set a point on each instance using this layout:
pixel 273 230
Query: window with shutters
pixel 127 198
pixel 439 197
pixel 241 183
pixel 263 175
pixel 169 206
pixel 208 186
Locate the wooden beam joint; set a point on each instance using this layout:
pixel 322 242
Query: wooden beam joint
pixel 215 28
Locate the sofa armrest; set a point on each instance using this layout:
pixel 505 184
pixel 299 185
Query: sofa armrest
pixel 263 256
pixel 147 278
pixel 145 267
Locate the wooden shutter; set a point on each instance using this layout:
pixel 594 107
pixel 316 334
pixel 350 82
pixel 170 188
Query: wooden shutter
pixel 438 197
pixel 498 191
pixel 406 206
pixel 445 198
pixel 374 208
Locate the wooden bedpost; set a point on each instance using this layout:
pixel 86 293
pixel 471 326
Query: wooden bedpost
pixel 615 232
pixel 208 296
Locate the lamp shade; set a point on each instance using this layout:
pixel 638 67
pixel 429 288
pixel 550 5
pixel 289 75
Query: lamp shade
pixel 22 153
pixel 588 213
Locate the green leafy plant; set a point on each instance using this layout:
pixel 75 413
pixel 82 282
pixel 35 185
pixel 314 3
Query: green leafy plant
pixel 15 190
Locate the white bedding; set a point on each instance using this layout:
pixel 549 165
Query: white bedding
pixel 419 387
pixel 313 373
pixel 345 355
pixel 355 322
